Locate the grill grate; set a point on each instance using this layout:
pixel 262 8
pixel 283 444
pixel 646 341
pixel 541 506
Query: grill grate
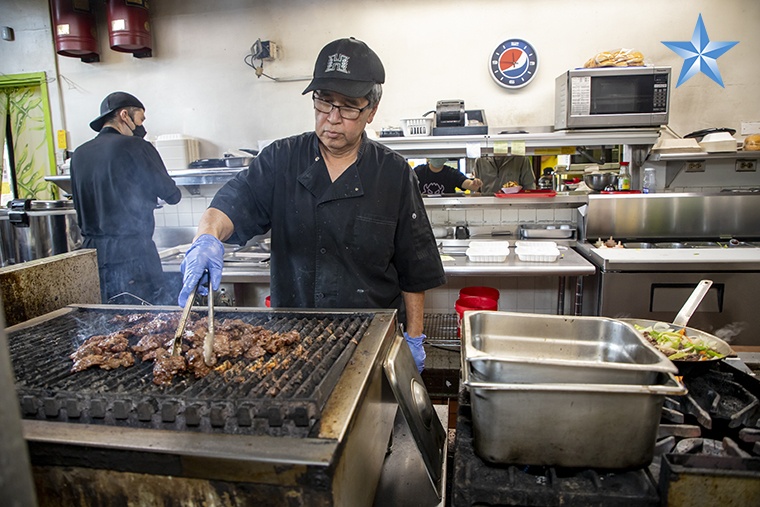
pixel 440 326
pixel 283 397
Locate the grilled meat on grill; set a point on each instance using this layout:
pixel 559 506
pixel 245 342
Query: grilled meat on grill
pixel 166 366
pixel 106 351
pixel 234 340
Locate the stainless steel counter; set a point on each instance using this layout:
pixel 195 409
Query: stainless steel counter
pixel 570 263
pixel 254 268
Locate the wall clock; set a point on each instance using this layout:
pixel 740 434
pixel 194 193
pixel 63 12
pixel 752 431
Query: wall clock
pixel 513 63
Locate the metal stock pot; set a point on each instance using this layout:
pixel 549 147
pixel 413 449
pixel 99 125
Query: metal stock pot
pixel 41 229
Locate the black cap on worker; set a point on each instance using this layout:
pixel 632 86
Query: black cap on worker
pixel 347 66
pixel 111 103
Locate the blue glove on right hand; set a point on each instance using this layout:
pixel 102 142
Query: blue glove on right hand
pixel 418 351
pixel 206 252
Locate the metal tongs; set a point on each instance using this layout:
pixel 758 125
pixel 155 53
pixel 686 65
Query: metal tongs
pixel 208 341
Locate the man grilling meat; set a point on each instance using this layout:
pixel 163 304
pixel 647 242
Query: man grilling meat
pixel 349 228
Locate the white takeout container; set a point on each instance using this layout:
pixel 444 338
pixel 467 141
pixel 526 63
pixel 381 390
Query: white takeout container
pixel 718 142
pixel 537 251
pixel 488 251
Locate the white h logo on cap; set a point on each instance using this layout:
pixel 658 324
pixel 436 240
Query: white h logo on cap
pixel 337 62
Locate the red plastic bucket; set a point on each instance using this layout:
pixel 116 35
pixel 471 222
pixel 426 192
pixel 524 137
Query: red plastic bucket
pixel 483 292
pixel 465 303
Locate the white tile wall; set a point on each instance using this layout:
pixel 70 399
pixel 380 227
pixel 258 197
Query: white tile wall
pixel 517 294
pixel 187 212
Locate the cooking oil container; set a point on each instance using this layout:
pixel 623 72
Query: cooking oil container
pixel 42 229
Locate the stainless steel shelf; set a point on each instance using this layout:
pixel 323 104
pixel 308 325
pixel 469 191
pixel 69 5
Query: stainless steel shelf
pixel 698 155
pixel 448 146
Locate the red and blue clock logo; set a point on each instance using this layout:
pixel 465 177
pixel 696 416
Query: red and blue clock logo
pixel 514 63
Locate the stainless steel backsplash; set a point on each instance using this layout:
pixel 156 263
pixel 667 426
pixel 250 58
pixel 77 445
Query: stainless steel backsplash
pixel 672 215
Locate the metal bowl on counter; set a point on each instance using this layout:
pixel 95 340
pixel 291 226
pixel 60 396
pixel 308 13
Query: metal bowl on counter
pixel 600 180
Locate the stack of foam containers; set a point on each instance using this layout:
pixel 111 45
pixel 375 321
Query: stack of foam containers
pixel 177 150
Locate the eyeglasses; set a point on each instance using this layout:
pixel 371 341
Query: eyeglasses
pixel 346 112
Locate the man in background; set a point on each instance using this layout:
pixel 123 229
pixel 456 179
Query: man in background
pixel 117 179
pixel 497 171
pixel 436 177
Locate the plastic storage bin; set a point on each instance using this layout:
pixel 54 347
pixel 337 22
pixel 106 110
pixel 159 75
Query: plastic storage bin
pixel 416 126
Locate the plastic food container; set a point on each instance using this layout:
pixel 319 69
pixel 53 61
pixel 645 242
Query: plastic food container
pixel 718 142
pixel 511 190
pixel 488 251
pixel 537 251
pixel 563 390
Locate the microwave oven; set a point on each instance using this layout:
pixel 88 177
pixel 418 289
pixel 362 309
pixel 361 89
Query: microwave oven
pixel 612 97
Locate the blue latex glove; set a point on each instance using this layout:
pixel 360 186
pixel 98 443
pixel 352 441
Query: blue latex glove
pixel 418 351
pixel 206 252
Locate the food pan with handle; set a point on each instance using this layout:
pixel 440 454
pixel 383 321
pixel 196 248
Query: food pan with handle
pixel 690 367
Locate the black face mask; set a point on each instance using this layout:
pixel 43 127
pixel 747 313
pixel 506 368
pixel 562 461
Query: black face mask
pixel 139 131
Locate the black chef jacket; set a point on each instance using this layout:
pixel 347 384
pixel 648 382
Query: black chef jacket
pixel 116 181
pixel 353 243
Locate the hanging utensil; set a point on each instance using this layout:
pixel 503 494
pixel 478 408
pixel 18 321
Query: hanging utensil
pixel 687 310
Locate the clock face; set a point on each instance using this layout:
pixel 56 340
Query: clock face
pixel 513 63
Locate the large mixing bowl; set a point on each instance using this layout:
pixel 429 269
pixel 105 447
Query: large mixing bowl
pixel 600 181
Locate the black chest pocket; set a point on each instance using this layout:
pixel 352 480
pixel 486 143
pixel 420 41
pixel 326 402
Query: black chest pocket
pixel 373 239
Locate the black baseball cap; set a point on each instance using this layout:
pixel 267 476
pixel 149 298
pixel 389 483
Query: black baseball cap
pixel 347 66
pixel 111 103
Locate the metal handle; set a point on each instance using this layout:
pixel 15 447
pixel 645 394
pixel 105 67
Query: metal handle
pixel 208 341
pixel 692 303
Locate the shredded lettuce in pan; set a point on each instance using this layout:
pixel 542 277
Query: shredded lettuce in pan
pixel 676 345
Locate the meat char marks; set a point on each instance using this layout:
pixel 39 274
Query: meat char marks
pixel 149 337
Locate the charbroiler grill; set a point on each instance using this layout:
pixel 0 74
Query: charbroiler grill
pixel 311 430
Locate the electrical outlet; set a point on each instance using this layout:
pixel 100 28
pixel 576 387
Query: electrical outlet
pixel 264 50
pixel 695 167
pixel 750 127
pixel 745 166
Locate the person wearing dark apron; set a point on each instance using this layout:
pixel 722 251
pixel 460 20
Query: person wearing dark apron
pixel 117 179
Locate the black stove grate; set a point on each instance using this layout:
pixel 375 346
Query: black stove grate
pixel 285 396
pixel 478 483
